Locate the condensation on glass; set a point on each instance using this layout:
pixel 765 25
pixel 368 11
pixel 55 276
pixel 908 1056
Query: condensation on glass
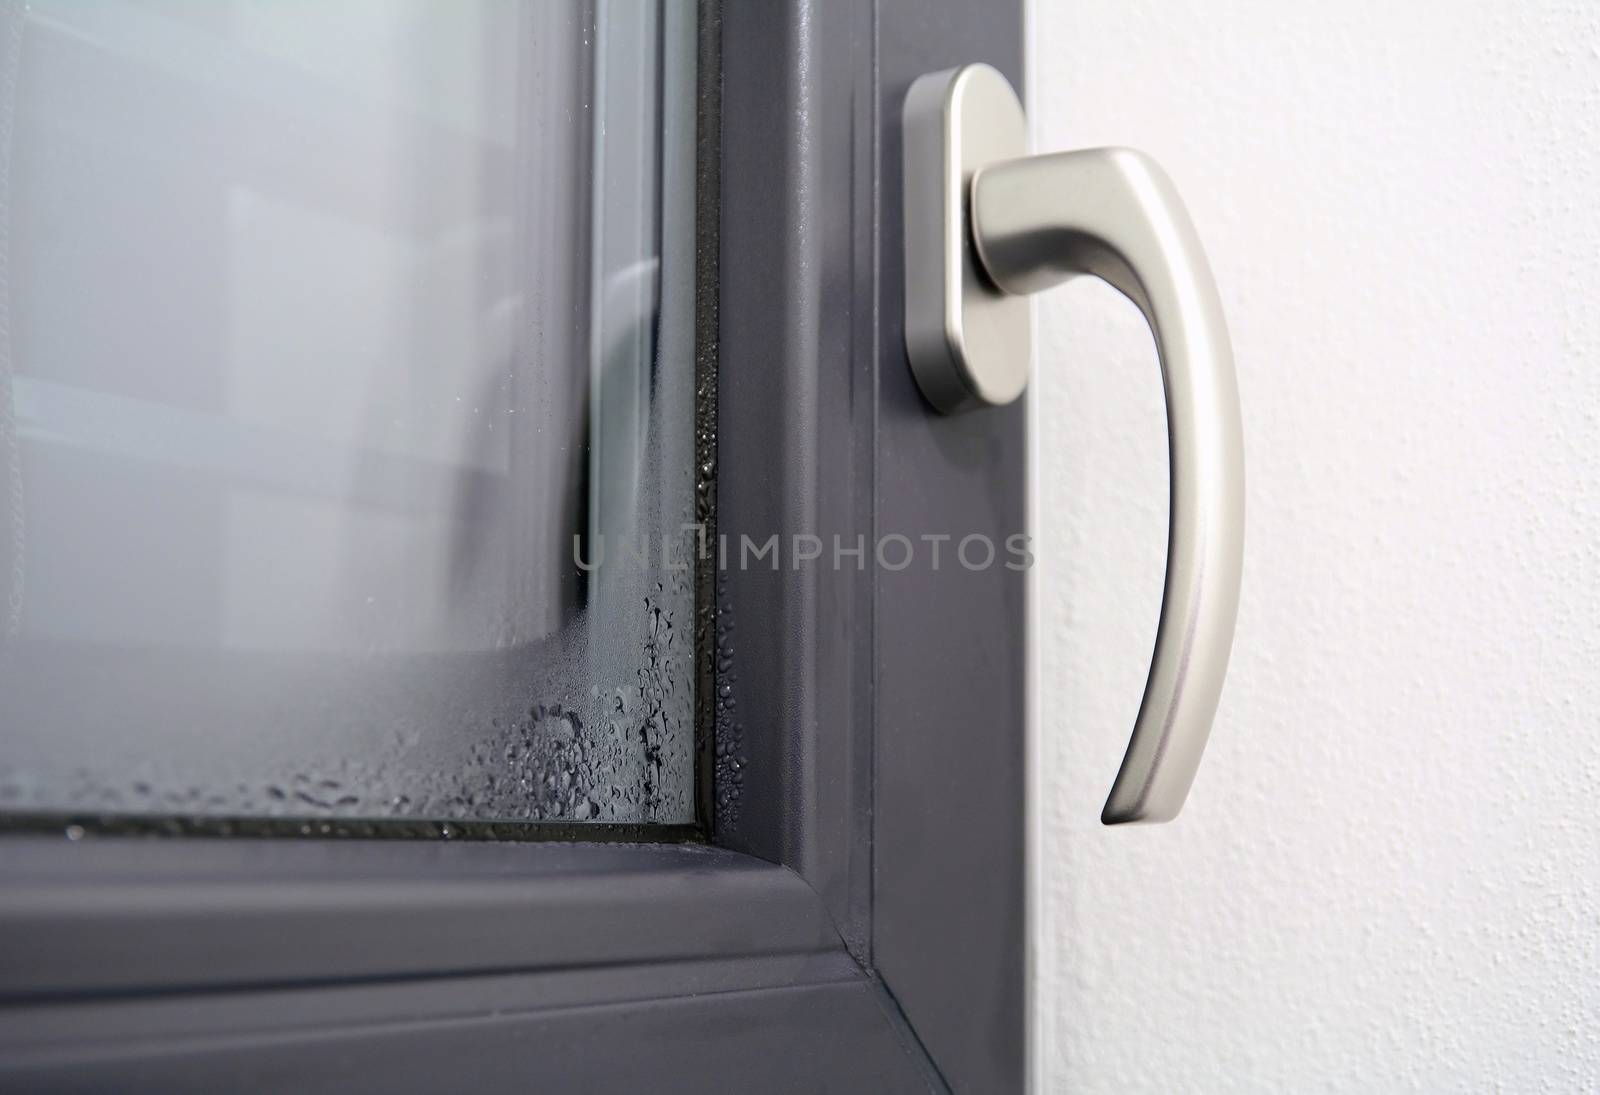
pixel 333 337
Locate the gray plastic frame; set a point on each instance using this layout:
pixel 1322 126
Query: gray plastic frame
pixel 857 922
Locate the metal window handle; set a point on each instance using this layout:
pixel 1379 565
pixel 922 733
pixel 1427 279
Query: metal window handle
pixel 984 224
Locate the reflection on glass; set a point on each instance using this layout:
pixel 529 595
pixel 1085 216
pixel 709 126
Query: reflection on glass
pixel 325 331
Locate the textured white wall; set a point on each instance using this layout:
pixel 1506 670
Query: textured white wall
pixel 1388 873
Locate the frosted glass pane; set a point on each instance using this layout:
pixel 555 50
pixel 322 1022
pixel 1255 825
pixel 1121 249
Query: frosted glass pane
pixel 331 336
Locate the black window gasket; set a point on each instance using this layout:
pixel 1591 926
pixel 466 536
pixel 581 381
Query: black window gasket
pixel 78 824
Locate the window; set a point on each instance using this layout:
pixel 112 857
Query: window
pixel 349 448
pixel 846 912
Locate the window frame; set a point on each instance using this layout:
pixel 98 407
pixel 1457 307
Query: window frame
pixel 857 909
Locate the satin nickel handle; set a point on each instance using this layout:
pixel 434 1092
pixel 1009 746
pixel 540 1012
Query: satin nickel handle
pixel 1034 222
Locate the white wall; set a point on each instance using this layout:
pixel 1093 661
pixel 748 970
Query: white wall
pixel 1388 874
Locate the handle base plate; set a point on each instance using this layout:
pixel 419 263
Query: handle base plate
pixel 970 345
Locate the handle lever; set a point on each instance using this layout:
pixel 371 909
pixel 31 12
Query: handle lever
pixel 1113 213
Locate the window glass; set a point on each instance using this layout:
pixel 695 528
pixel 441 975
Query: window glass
pixel 333 336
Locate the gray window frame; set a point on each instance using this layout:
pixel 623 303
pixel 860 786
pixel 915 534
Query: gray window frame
pixel 853 915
